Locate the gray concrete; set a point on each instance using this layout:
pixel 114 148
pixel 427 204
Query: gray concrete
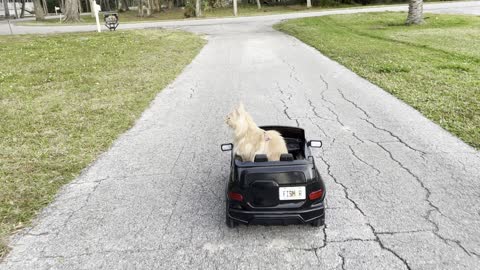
pixel 402 192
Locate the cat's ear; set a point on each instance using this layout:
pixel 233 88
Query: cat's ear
pixel 241 108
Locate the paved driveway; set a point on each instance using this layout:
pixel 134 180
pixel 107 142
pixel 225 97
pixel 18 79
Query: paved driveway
pixel 402 192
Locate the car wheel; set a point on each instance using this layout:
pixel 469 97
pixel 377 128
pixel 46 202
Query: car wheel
pixel 318 222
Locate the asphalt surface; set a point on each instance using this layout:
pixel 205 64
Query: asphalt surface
pixel 402 193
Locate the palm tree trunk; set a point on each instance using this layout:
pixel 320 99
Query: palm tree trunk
pixel 198 8
pixel 37 6
pixel 415 12
pixel 234 7
pixel 71 11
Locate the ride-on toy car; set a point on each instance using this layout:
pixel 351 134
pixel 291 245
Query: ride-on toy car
pixel 289 191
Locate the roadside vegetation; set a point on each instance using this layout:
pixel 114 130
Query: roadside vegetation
pixel 79 11
pixel 179 14
pixel 434 67
pixel 65 98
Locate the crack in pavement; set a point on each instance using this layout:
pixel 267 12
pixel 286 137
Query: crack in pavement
pixel 358 138
pixel 176 160
pixel 342 260
pixel 377 171
pixel 353 103
pixel 83 206
pixel 324 82
pixel 319 128
pixel 352 240
pixel 367 119
pixel 347 196
pixel 184 179
pixel 377 239
pixel 57 231
pixel 345 189
pixel 402 232
pixel 397 139
pixel 285 106
pixel 433 207
pixel 337 118
pixel 293 71
pixel 422 153
pixel 363 161
pixel 314 110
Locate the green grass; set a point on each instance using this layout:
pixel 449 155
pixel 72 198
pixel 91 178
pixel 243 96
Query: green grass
pixel 434 67
pixel 178 14
pixel 65 98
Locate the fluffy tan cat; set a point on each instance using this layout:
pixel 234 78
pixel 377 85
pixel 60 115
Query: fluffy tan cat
pixel 250 140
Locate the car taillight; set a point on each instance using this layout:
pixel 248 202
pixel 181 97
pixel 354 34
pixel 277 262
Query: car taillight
pixel 235 196
pixel 315 194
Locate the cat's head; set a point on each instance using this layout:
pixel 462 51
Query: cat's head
pixel 236 118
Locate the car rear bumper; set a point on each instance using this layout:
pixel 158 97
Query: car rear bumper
pixel 285 217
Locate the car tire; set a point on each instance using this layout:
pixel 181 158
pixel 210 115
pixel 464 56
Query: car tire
pixel 318 222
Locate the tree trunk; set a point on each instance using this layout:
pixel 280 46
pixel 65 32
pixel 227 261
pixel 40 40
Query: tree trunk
pixel 37 7
pixel 259 5
pixel 140 8
pixel 309 3
pixel 198 8
pixel 234 7
pixel 124 5
pixel 80 9
pixel 22 12
pixel 71 11
pixel 92 4
pixel 7 11
pixel 15 8
pixel 415 12
pixel 149 7
pixel 45 8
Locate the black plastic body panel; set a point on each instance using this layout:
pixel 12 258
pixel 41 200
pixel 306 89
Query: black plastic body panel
pixel 259 184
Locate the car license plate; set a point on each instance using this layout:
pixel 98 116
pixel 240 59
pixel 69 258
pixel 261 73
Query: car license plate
pixel 292 193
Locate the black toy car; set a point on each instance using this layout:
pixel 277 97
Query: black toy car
pixel 289 191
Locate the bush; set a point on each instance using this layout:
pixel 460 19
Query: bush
pixel 189 9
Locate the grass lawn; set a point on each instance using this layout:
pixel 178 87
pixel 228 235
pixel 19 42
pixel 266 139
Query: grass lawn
pixel 65 98
pixel 178 14
pixel 434 67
